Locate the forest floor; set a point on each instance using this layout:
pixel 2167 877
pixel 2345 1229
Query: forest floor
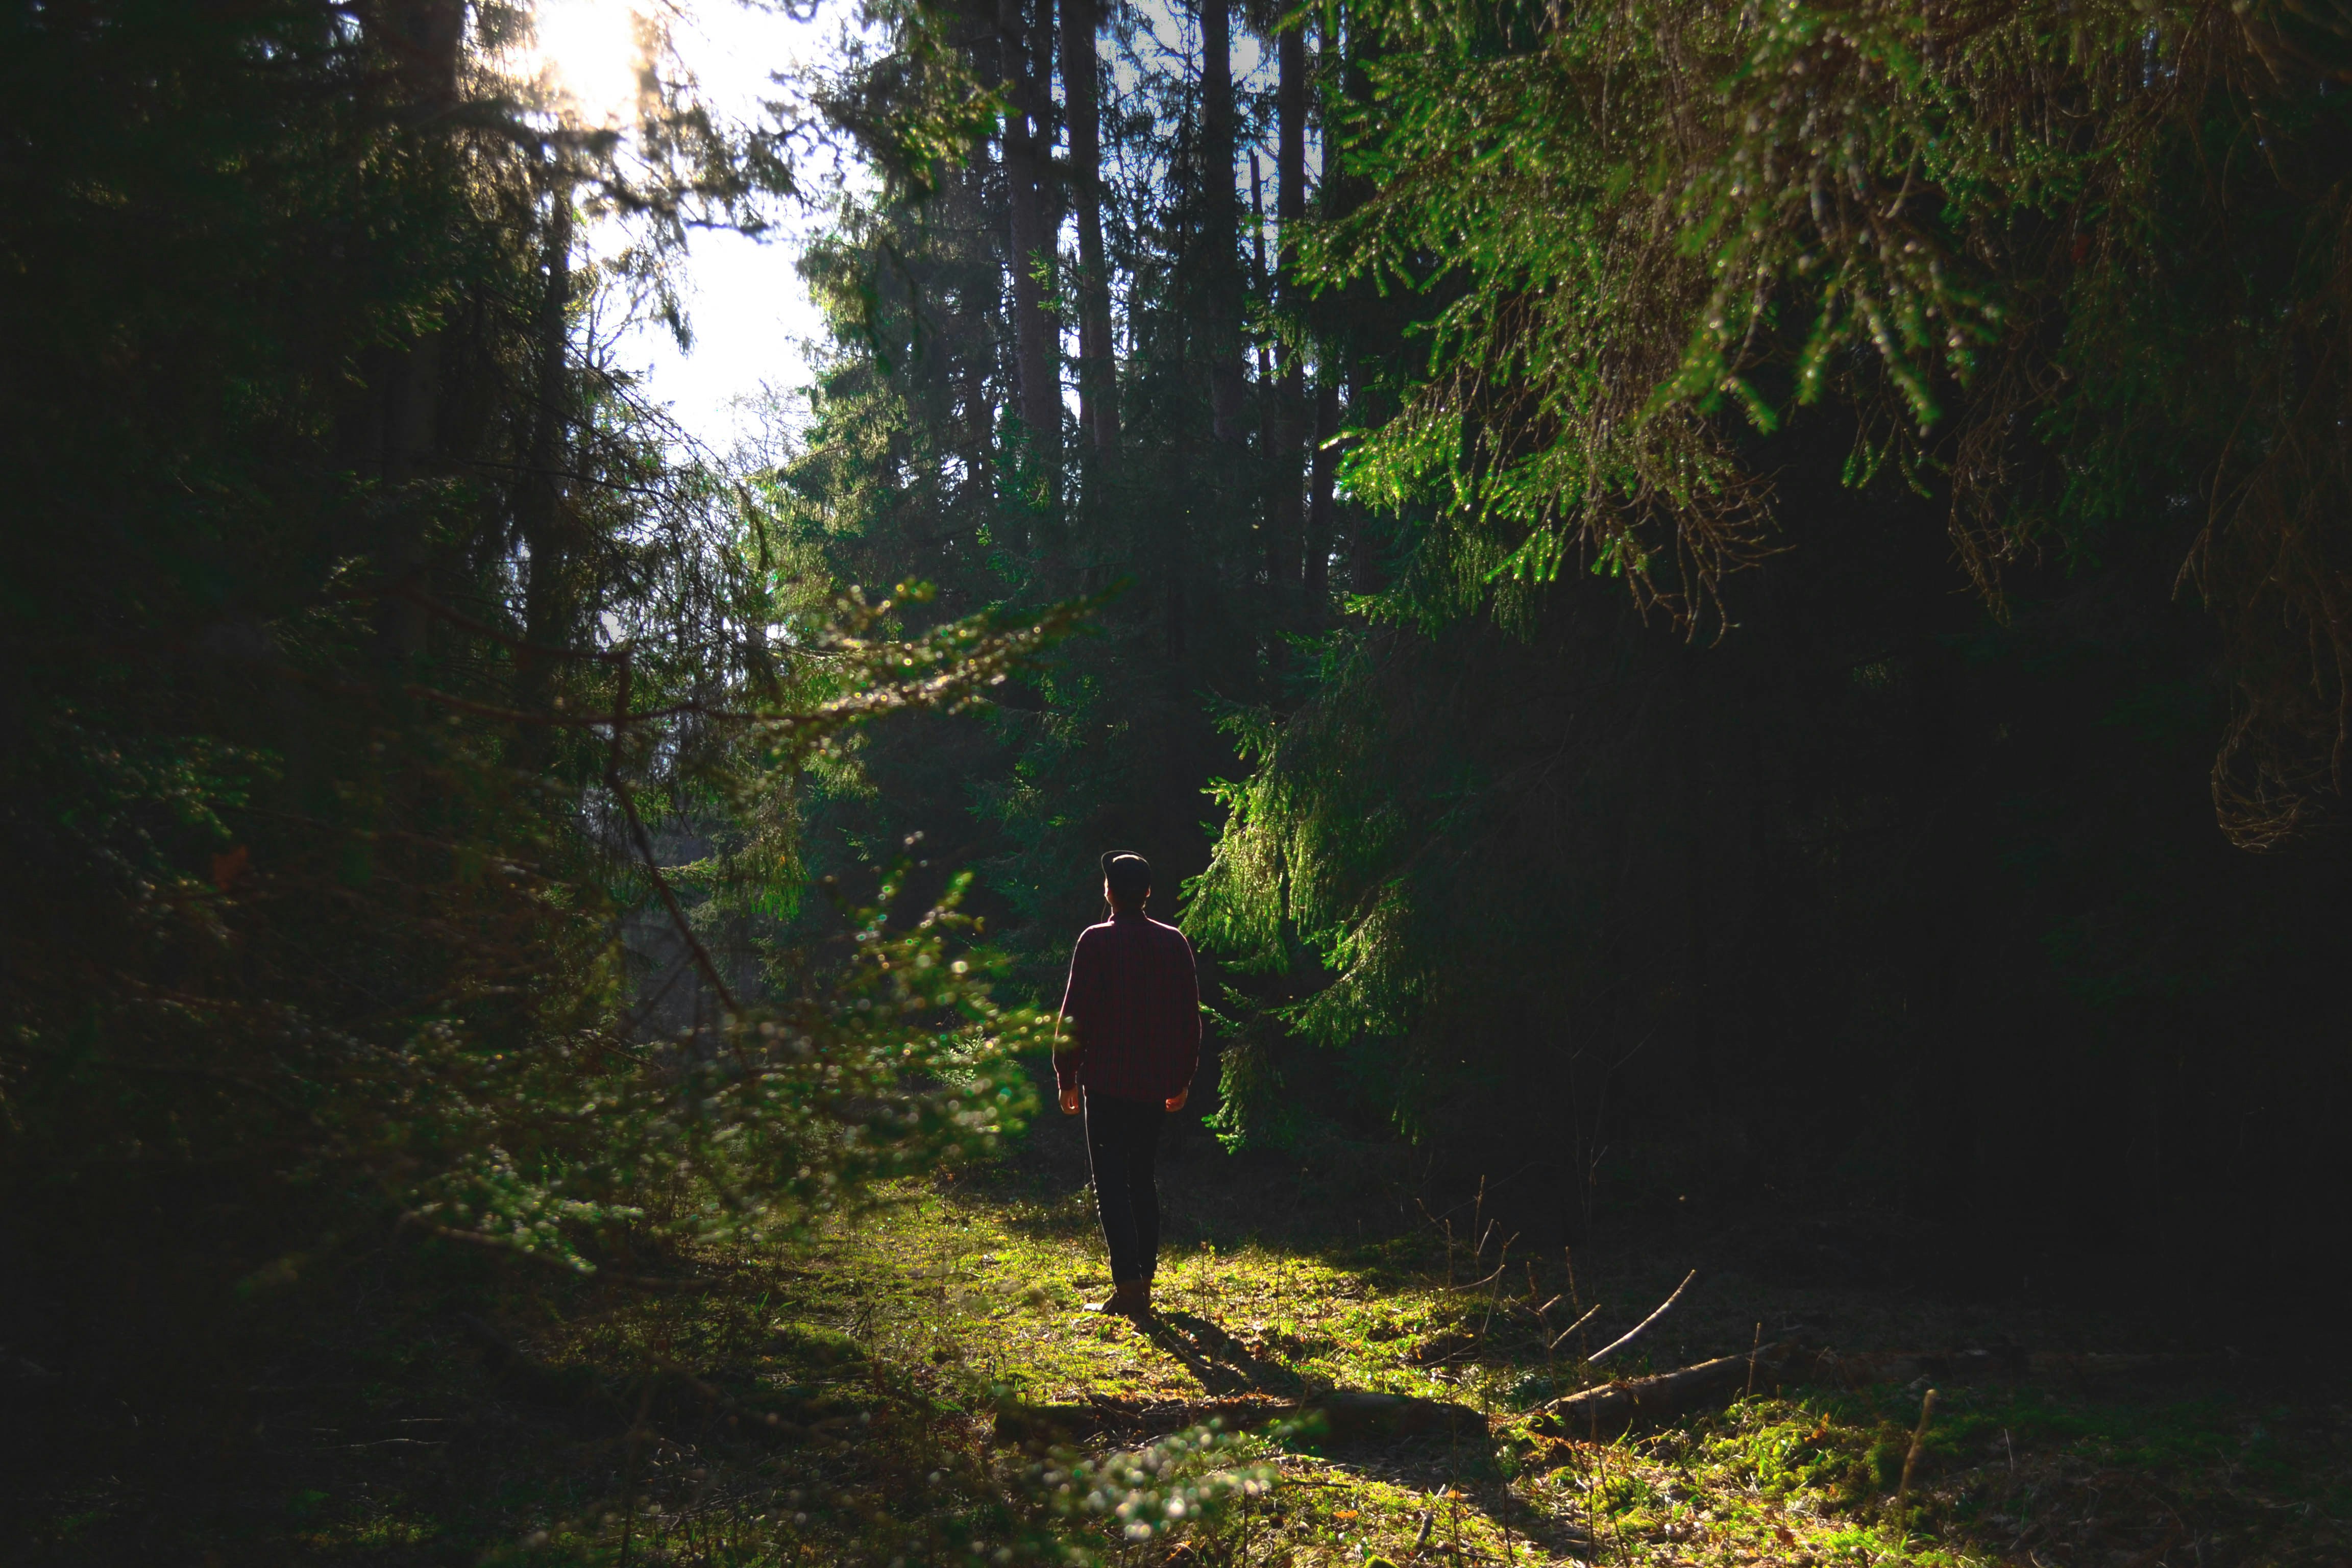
pixel 838 1405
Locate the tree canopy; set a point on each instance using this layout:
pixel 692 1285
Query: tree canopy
pixel 1685 595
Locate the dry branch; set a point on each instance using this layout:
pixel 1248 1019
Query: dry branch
pixel 1911 1459
pixel 1612 1408
pixel 1560 1338
pixel 1636 1331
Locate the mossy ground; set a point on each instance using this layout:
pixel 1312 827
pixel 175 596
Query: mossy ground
pixel 835 1405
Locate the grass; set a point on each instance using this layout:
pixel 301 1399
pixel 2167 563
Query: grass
pixel 835 1405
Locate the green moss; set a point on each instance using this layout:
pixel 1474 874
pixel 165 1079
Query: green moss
pixel 884 1346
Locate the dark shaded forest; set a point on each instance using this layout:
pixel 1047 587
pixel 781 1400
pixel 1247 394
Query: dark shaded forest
pixel 1866 732
pixel 1727 626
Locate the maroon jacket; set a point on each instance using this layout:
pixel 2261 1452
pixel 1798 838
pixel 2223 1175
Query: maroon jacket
pixel 1133 1007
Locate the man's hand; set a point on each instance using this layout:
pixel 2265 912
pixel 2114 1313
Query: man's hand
pixel 1176 1101
pixel 1070 1102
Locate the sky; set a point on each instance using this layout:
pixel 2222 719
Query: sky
pixel 749 313
pixel 751 316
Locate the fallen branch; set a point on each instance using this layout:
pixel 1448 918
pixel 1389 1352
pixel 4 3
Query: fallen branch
pixel 1475 1284
pixel 1635 1332
pixel 1612 1408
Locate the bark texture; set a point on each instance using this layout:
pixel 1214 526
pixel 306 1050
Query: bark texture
pixel 1322 505
pixel 1284 422
pixel 1097 369
pixel 1220 233
pixel 1038 389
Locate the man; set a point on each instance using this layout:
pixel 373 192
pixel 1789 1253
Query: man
pixel 1133 1007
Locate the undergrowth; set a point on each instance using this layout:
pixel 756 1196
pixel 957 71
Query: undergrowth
pixel 836 1404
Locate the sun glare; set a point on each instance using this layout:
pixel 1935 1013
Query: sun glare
pixel 587 53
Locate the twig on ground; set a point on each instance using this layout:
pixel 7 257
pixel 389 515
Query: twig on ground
pixel 1918 1440
pixel 1501 1263
pixel 1475 1284
pixel 1635 1332
pixel 1478 1220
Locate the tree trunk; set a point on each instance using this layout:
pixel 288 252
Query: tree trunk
pixel 1322 506
pixel 540 514
pixel 978 362
pixel 1283 422
pixel 1038 392
pixel 1290 150
pixel 1257 278
pixel 423 40
pixel 1219 236
pixel 1043 124
pixel 1098 363
pixel 1342 193
pixel 1364 570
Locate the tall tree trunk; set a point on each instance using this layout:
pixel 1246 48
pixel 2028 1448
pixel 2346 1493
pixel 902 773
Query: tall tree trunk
pixel 1172 622
pixel 1365 574
pixel 1283 518
pixel 547 597
pixel 423 40
pixel 1043 125
pixel 1280 532
pixel 1218 235
pixel 1038 392
pixel 1342 193
pixel 1257 278
pixel 1098 363
pixel 1322 511
pixel 978 485
pixel 1290 156
pixel 977 334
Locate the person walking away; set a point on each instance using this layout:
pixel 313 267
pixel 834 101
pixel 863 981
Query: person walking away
pixel 1133 1011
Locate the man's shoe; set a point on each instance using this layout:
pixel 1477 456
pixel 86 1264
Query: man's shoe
pixel 1129 1298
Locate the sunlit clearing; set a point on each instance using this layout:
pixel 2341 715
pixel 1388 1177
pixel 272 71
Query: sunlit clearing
pixel 588 54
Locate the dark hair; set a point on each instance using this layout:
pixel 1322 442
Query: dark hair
pixel 1129 876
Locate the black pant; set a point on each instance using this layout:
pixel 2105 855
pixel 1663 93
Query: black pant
pixel 1122 1137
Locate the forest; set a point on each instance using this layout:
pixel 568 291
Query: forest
pixel 1728 626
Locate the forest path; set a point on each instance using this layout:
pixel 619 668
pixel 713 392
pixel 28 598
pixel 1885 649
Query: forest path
pixel 982 1279
pixel 836 1401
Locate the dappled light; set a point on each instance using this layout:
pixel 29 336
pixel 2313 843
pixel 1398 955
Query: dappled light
pixel 1460 784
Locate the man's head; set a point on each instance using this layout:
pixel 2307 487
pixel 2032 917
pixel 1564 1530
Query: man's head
pixel 1127 880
